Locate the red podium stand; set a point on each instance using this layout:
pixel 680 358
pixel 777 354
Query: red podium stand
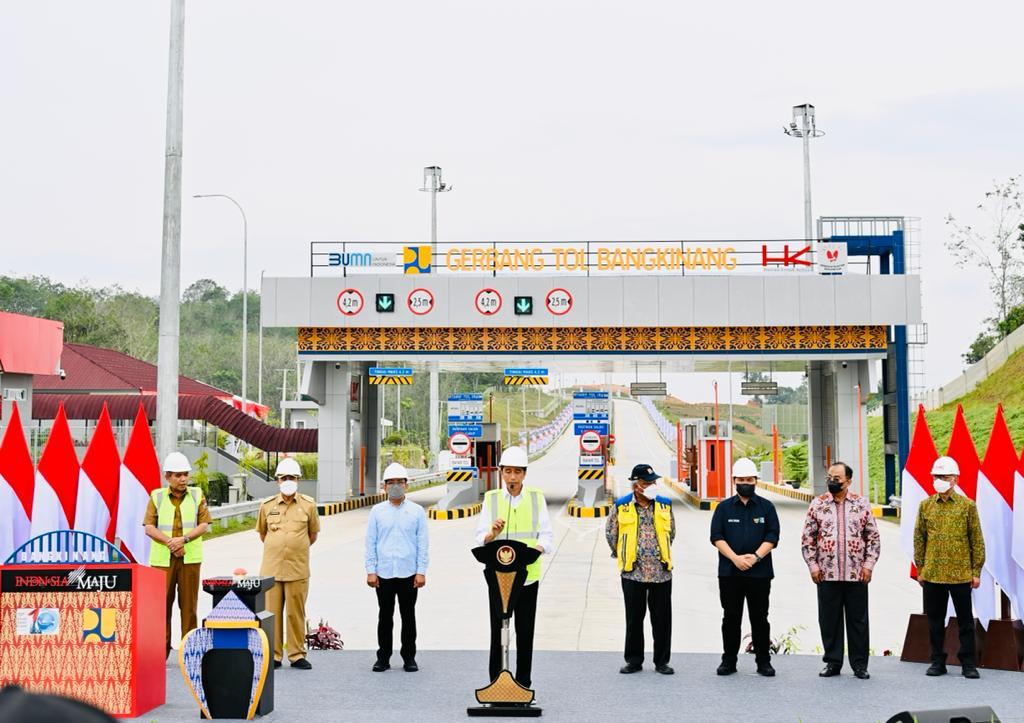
pixel 91 628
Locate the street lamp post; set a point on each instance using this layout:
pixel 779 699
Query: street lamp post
pixel 806 130
pixel 433 185
pixel 259 353
pixel 245 293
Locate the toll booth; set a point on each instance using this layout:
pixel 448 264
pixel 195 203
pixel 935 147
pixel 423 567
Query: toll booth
pixel 487 454
pixel 714 459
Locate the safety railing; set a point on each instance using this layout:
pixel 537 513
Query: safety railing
pixel 543 437
pixel 665 428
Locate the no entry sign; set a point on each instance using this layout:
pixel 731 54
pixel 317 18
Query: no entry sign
pixel 590 441
pixel 459 444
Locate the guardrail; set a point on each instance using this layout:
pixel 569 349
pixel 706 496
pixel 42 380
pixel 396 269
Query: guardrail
pixel 666 429
pixel 543 437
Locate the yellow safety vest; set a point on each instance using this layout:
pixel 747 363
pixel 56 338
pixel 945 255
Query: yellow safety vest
pixel 629 538
pixel 160 555
pixel 522 522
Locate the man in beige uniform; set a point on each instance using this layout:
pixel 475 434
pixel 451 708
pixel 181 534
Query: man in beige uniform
pixel 288 524
pixel 177 547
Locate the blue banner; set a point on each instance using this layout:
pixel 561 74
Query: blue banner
pixel 471 397
pixel 465 418
pixel 581 427
pixel 473 431
pixel 526 372
pixel 390 372
pixel 588 395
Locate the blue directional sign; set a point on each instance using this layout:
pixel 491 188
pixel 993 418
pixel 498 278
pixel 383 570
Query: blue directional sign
pixel 390 372
pixel 590 395
pixel 468 397
pixel 473 431
pixel 600 427
pixel 526 372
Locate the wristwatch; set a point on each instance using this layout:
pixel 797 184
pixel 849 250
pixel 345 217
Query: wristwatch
pixel 759 558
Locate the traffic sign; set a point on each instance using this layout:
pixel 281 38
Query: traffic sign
pixel 350 302
pixel 462 462
pixel 465 474
pixel 466 408
pixel 752 389
pixel 459 444
pixel 474 431
pixel 580 427
pixel 591 460
pixel 420 301
pixel 385 303
pixel 590 405
pixel 590 441
pixel 558 301
pixel 488 301
pixel 590 395
pixel 648 389
pixel 524 305
pixel 526 376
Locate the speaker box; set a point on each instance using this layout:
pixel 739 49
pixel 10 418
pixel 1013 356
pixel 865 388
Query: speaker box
pixel 975 714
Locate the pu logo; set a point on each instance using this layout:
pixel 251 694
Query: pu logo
pixel 99 625
pixel 416 259
pixel 832 255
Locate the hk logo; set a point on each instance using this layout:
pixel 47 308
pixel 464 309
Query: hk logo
pixel 416 259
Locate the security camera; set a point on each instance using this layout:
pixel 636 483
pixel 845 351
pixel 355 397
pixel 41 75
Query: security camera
pixel 62 374
pixel 844 365
pixel 337 365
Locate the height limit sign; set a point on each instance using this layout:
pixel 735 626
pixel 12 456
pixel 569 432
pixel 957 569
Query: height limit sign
pixel 488 302
pixel 558 302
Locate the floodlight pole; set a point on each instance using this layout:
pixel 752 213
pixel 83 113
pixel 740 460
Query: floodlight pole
pixel 805 131
pixel 433 185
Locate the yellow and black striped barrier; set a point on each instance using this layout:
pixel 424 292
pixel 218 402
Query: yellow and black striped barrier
pixel 575 510
pixel 518 381
pixel 455 513
pixel 590 473
pixel 333 508
pixel 458 475
pixel 390 380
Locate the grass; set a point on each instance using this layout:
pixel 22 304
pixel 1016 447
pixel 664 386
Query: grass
pixel 507 408
pixel 747 434
pixel 230 527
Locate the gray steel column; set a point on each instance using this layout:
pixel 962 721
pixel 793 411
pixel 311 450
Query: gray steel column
pixel 170 273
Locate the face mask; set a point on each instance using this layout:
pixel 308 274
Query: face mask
pixel 835 487
pixel 942 486
pixel 651 492
pixel 745 490
pixel 289 487
pixel 396 492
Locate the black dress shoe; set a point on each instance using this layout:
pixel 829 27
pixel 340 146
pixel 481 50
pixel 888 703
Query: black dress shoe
pixel 630 668
pixel 665 669
pixel 302 664
pixel 726 669
pixel 277 663
pixel 410 667
pixel 380 667
pixel 766 670
pixel 936 669
pixel 830 671
pixel 862 673
pixel 969 671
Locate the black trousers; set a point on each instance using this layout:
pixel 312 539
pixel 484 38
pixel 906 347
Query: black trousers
pixel 403 589
pixel 849 600
pixel 524 616
pixel 639 597
pixel 733 591
pixel 936 597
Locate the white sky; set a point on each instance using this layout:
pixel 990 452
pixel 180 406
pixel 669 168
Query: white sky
pixel 554 120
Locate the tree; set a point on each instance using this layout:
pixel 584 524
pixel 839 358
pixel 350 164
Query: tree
pixel 998 249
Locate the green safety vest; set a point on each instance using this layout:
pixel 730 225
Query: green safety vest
pixel 160 555
pixel 522 522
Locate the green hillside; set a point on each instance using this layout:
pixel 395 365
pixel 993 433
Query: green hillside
pixel 747 434
pixel 1006 386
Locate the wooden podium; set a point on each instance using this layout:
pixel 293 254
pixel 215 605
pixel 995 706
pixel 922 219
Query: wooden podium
pixel 505 563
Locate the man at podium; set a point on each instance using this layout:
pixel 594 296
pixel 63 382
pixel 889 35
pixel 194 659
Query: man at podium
pixel 516 512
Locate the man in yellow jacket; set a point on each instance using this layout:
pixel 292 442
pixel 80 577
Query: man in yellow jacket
pixel 640 533
pixel 519 513
pixel 176 520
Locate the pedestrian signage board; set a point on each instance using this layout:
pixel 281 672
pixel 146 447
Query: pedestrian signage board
pixel 462 462
pixel 590 441
pixel 460 444
pixel 580 427
pixel 473 431
pixel 591 460
pixel 753 389
pixel 648 389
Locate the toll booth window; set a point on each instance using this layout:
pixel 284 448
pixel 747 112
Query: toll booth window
pixel 713 454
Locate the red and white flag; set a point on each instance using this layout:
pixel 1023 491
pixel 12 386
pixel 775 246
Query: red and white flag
pixel 53 505
pixel 995 508
pixel 98 480
pixel 17 485
pixel 961 448
pixel 140 475
pixel 916 484
pixel 1018 531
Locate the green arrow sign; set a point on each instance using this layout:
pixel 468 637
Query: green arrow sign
pixel 385 303
pixel 524 305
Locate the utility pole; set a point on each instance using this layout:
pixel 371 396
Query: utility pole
pixel 433 185
pixel 170 255
pixel 806 130
pixel 284 393
pixel 259 353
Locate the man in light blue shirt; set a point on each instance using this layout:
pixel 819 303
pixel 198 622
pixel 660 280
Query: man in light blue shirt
pixel 396 565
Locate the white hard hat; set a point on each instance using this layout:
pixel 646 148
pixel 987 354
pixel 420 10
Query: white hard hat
pixel 395 471
pixel 176 462
pixel 945 465
pixel 744 467
pixel 288 466
pixel 514 457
